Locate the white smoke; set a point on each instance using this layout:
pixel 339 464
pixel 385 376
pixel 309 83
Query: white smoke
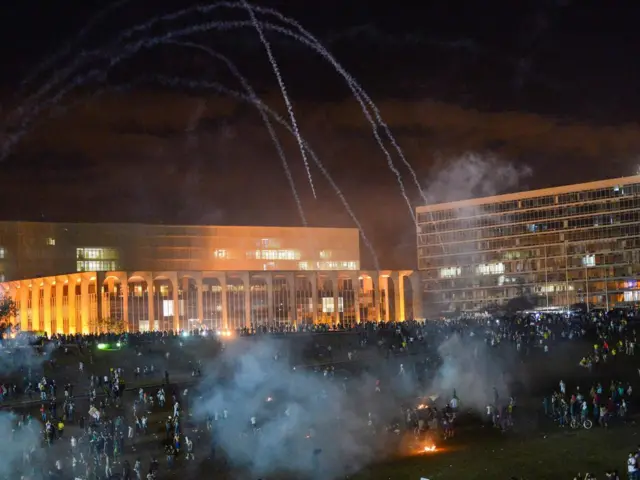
pixel 311 426
pixel 18 440
pixel 472 369
pixel 473 175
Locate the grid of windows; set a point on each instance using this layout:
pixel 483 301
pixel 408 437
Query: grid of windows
pixel 94 253
pixel 577 246
pixel 96 266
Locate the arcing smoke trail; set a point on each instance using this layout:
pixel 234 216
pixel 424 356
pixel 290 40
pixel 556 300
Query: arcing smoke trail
pixel 313 43
pixel 64 51
pixel 200 84
pixel 265 118
pixel 196 84
pixel 283 89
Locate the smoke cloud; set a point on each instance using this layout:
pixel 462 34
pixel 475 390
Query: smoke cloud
pixel 18 354
pixel 308 424
pixel 19 439
pixel 471 368
pixel 473 175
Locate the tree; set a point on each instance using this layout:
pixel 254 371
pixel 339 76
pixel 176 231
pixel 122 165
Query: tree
pixel 8 309
pixel 111 325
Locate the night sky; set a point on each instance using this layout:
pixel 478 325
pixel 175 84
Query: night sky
pixel 548 89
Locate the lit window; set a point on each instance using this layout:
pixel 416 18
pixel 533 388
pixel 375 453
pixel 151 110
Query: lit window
pixel 450 272
pixel 277 255
pixel 167 308
pixel 96 253
pixel 325 254
pixel 303 265
pixel 589 261
pixel 96 266
pixel 490 269
pixel 220 254
pixel 2 252
pixel 51 241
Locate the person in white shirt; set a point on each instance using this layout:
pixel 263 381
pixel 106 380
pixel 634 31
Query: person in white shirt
pixel 632 467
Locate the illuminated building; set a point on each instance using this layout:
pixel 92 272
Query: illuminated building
pixel 68 278
pixel 556 246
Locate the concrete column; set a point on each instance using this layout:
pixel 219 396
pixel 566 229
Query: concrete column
pixel 176 304
pixel 200 306
pixel 293 308
pixel 398 283
pixel 270 311
pixel 47 308
pixel 24 306
pixel 124 291
pixel 384 286
pixel 71 303
pixel 151 308
pixel 246 282
pixel 375 289
pixel 35 305
pixel 59 322
pixel 85 306
pixel 416 288
pixel 313 278
pixel 335 281
pixel 225 301
pixel 102 307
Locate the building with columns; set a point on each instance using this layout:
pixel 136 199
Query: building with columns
pixel 247 276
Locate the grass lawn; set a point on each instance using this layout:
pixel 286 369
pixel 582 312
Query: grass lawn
pixel 561 455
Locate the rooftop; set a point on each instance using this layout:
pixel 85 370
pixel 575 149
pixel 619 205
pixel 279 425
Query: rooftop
pixel 542 192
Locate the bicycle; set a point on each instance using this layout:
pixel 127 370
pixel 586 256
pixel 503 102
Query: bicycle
pixel 578 423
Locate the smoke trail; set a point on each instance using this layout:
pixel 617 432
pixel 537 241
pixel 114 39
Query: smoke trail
pixel 309 426
pixel 314 44
pixel 283 89
pixel 64 51
pixel 265 118
pixel 199 84
pixel 196 84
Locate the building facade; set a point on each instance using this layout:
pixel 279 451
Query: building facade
pixel 88 302
pixel 39 249
pixel 78 278
pixel 555 246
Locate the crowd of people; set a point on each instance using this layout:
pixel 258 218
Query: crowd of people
pixel 94 430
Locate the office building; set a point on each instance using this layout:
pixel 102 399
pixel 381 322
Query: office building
pixel 69 278
pixel 555 247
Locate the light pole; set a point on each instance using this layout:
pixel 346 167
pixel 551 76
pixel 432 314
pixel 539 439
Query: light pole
pixel 566 271
pixel 606 287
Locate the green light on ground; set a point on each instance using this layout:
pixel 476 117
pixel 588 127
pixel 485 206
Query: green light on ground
pixel 102 346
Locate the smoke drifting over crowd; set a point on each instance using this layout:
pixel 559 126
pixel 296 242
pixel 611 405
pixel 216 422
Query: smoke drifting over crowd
pixel 19 354
pixel 17 442
pixel 303 420
pixel 473 370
